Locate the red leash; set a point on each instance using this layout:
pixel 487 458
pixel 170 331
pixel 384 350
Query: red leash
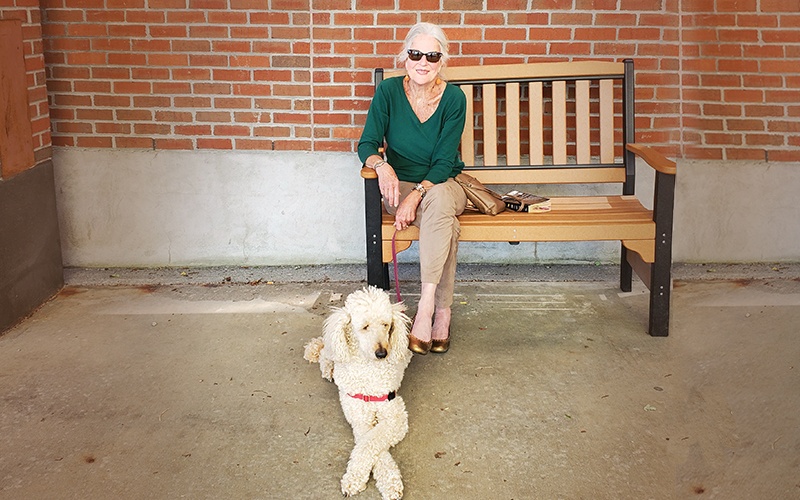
pixel 394 260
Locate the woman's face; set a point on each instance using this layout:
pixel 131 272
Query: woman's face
pixel 423 72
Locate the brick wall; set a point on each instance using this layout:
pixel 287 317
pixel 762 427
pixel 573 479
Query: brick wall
pixel 28 13
pixel 716 78
pixel 741 79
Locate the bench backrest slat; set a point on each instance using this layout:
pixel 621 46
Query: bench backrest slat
pixel 545 122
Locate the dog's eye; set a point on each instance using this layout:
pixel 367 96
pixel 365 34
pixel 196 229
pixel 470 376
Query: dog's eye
pixel 386 325
pixel 366 327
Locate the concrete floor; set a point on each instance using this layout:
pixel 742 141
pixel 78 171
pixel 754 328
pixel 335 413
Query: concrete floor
pixel 187 385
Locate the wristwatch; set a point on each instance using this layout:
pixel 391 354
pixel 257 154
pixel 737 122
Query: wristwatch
pixel 421 189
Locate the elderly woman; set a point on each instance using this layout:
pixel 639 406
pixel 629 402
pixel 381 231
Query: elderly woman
pixel 421 118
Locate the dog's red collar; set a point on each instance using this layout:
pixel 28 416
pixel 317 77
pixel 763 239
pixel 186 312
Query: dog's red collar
pixel 369 399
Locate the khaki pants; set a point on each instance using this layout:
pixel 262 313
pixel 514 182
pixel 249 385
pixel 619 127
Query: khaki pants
pixel 438 235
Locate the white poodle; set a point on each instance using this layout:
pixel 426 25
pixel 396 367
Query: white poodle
pixel 364 350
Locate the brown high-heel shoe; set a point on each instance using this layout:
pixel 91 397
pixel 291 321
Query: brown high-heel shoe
pixel 419 346
pixel 440 346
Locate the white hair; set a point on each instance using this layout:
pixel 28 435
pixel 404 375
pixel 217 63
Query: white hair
pixel 425 29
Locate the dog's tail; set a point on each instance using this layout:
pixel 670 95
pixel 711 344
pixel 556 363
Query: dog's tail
pixel 312 350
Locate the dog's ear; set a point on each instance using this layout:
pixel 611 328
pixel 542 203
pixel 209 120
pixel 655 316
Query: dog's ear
pixel 398 335
pixel 338 335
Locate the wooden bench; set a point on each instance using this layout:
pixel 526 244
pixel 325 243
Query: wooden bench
pixel 538 124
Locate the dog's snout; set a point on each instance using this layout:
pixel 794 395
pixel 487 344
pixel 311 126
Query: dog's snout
pixel 381 353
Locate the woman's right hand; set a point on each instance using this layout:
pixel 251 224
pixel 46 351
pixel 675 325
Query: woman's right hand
pixel 389 184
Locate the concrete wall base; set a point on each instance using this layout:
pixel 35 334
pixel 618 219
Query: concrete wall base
pixel 143 208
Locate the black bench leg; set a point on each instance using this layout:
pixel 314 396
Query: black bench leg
pixel 661 270
pixel 625 271
pixel 377 271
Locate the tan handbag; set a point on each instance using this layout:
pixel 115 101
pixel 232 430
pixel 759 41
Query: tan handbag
pixel 484 199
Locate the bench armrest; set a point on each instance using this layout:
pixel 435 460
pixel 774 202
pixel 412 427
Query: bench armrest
pixel 653 158
pixel 368 173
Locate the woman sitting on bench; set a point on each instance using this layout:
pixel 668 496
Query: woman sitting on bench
pixel 421 117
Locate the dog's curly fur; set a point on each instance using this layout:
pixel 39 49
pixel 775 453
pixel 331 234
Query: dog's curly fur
pixel 364 350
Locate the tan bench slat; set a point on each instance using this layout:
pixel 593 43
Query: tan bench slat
pixel 550 176
pixel 559 123
pixel 512 124
pixel 490 123
pixel 468 137
pixel 535 70
pixel 592 218
pixel 536 129
pixel 606 121
pixel 583 148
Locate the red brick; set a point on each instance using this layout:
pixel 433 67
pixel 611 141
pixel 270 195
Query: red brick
pixel 208 4
pixel 151 45
pixel 737 65
pixel 185 17
pixel 745 125
pixel 106 16
pixel 208 31
pixel 133 142
pixel 780 36
pixel 459 5
pixel 550 34
pixel 214 143
pixel 764 110
pixel 763 51
pixel 191 74
pixel 150 102
pixel 483 18
pixel 133 114
pixel 720 50
pixel 757 20
pixel 762 81
pixel 253 89
pixel 786 67
pixel 191 102
pixel 373 4
pixel 722 110
pixel 610 19
pixel 232 75
pixel 744 154
pixel 737 5
pixel 529 18
pixel 111 44
pixel 174 88
pixel 791 96
pixel 721 80
pixel 191 46
pixel 764 140
pixel 734 95
pixel 213 116
pixel 151 128
pixel 127 30
pixel 138 87
pixel 166 59
pixel 711 20
pixel 404 20
pixel 87 30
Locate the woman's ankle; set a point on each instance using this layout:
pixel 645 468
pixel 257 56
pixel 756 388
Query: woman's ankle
pixel 441 323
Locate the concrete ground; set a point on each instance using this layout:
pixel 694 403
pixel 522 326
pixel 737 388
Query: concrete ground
pixel 186 383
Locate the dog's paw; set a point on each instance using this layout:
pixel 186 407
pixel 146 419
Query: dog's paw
pixel 312 350
pixel 353 483
pixel 388 478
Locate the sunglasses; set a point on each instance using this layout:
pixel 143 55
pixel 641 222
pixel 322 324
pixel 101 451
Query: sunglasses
pixel 432 57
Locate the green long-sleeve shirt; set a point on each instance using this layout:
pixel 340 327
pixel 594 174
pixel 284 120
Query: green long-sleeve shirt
pixel 417 151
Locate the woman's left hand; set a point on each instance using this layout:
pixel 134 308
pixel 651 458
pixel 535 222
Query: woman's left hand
pixel 407 211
